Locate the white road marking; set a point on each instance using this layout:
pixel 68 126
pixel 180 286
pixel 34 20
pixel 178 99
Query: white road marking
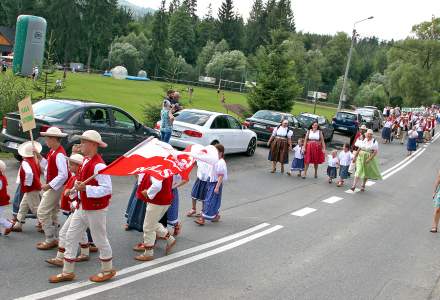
pixel 400 163
pixel 370 183
pixel 352 192
pixel 332 199
pixel 77 285
pixel 303 211
pixel 127 280
pixel 404 165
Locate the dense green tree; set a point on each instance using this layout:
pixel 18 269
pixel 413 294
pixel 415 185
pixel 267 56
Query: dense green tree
pixel 256 31
pixel 350 92
pixel 125 54
pixel 277 87
pixel 335 53
pixel 228 65
pixel 181 34
pixel 206 29
pixel 372 93
pixel 230 26
pixel 159 37
pixel 205 56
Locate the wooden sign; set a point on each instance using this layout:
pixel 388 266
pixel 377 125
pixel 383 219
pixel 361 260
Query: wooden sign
pixel 26 114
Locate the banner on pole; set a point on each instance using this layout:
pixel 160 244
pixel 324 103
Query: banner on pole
pixel 26 114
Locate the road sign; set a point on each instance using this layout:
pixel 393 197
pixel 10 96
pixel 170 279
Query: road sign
pixel 26 114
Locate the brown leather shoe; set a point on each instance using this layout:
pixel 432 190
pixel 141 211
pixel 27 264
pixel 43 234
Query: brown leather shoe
pixel 93 249
pixel 103 276
pixel 55 262
pixel 47 246
pixel 61 277
pixel 17 229
pixel 144 257
pixel 82 258
pixel 7 231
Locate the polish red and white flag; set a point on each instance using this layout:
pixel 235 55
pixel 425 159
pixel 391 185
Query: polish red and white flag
pixel 160 160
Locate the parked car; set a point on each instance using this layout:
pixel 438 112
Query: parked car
pixel 117 127
pixel 194 126
pixel 347 122
pixel 263 123
pixel 306 119
pixel 371 117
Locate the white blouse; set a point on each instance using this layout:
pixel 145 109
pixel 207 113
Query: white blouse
pixel 298 152
pixel 332 161
pixel 369 145
pixel 314 136
pixel 203 170
pixel 345 158
pixel 218 170
pixel 388 124
pixel 282 132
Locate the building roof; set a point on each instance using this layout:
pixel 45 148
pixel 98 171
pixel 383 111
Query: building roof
pixel 8 33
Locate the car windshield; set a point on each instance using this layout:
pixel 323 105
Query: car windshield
pixel 306 121
pixel 193 117
pixel 365 112
pixel 346 116
pixel 268 115
pixel 57 109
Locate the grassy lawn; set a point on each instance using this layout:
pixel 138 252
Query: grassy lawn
pixel 131 95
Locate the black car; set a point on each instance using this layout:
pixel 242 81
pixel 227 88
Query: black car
pixel 118 128
pixel 307 119
pixel 371 117
pixel 264 121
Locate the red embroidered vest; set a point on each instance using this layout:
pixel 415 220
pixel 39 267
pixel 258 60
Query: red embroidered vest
pixel 4 197
pixel 87 171
pixel 165 195
pixel 52 169
pixel 65 199
pixel 36 182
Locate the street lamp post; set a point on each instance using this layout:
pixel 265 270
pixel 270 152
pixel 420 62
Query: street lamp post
pixel 347 67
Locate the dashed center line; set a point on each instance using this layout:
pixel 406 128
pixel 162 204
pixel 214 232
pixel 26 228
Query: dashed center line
pixel 332 199
pixel 303 211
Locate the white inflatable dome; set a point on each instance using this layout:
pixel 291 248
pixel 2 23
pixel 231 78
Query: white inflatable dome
pixel 119 72
pixel 142 74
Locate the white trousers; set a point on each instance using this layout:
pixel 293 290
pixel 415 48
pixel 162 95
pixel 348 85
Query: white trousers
pixel 96 221
pixel 4 223
pixel 47 213
pixel 63 234
pixel 152 227
pixel 30 201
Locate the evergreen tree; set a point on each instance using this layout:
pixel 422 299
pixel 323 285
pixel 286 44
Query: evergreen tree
pixel 230 26
pixel 277 87
pixel 206 29
pixel 256 32
pixel 192 7
pixel 181 34
pixel 284 16
pixel 159 37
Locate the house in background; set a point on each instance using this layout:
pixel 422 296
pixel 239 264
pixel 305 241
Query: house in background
pixel 7 39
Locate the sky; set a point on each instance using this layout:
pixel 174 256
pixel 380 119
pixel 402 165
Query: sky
pixel 393 19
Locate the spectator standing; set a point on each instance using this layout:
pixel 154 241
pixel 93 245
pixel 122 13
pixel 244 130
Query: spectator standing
pixel 166 122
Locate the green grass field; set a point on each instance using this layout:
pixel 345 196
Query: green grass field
pixel 131 95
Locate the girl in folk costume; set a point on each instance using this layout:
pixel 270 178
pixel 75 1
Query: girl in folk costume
pixel 69 203
pixel 411 145
pixel 280 142
pixel 5 225
pixel 386 130
pixel 314 148
pixel 56 174
pixel 298 158
pixel 173 211
pixel 135 212
pixel 219 174
pixel 332 165
pixel 345 157
pixel 94 199
pixel 158 195
pixel 30 184
pixel 200 187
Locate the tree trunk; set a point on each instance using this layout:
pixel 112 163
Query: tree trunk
pixel 89 59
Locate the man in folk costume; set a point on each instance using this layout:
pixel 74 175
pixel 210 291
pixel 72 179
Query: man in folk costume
pixel 403 127
pixel 30 184
pixel 56 174
pixel 158 195
pixel 94 199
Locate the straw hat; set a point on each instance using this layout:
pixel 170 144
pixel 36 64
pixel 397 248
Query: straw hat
pixel 76 159
pixel 92 136
pixel 26 149
pixel 2 167
pixel 54 132
pixel 364 127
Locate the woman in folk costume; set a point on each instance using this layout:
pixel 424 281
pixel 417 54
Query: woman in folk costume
pixel 367 166
pixel 198 192
pixel 314 148
pixel 280 143
pixel 94 199
pixel 386 130
pixel 412 141
pixel 56 174
pixel 218 175
pixel 5 225
pixel 30 184
pixel 436 199
pixel 68 204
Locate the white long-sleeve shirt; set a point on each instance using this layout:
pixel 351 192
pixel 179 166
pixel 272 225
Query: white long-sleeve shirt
pixel 155 187
pixel 104 187
pixel 61 162
pixel 28 174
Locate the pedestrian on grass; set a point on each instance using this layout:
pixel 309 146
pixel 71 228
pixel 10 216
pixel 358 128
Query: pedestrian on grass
pixel 314 148
pixel 280 142
pixel 436 199
pixel 166 122
pixel 5 225
pixel 367 166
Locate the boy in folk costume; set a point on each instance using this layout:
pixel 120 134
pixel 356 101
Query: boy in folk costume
pixel 69 203
pixel 5 225
pixel 56 174
pixel 94 198
pixel 30 184
pixel 158 195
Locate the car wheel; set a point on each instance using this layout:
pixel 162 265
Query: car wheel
pixel 215 143
pixel 251 147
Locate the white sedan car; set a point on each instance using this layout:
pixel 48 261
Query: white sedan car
pixel 194 126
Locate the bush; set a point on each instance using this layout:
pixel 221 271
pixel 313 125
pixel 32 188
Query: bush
pixel 12 90
pixel 151 114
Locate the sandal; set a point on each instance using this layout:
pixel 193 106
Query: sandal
pixel 363 188
pixel 200 221
pixel 191 213
pixel 433 230
pixel 177 229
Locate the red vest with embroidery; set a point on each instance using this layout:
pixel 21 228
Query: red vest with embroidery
pixel 52 169
pixel 87 171
pixel 4 197
pixel 36 182
pixel 163 197
pixel 65 199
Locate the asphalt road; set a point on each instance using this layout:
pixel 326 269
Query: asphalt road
pixel 372 245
